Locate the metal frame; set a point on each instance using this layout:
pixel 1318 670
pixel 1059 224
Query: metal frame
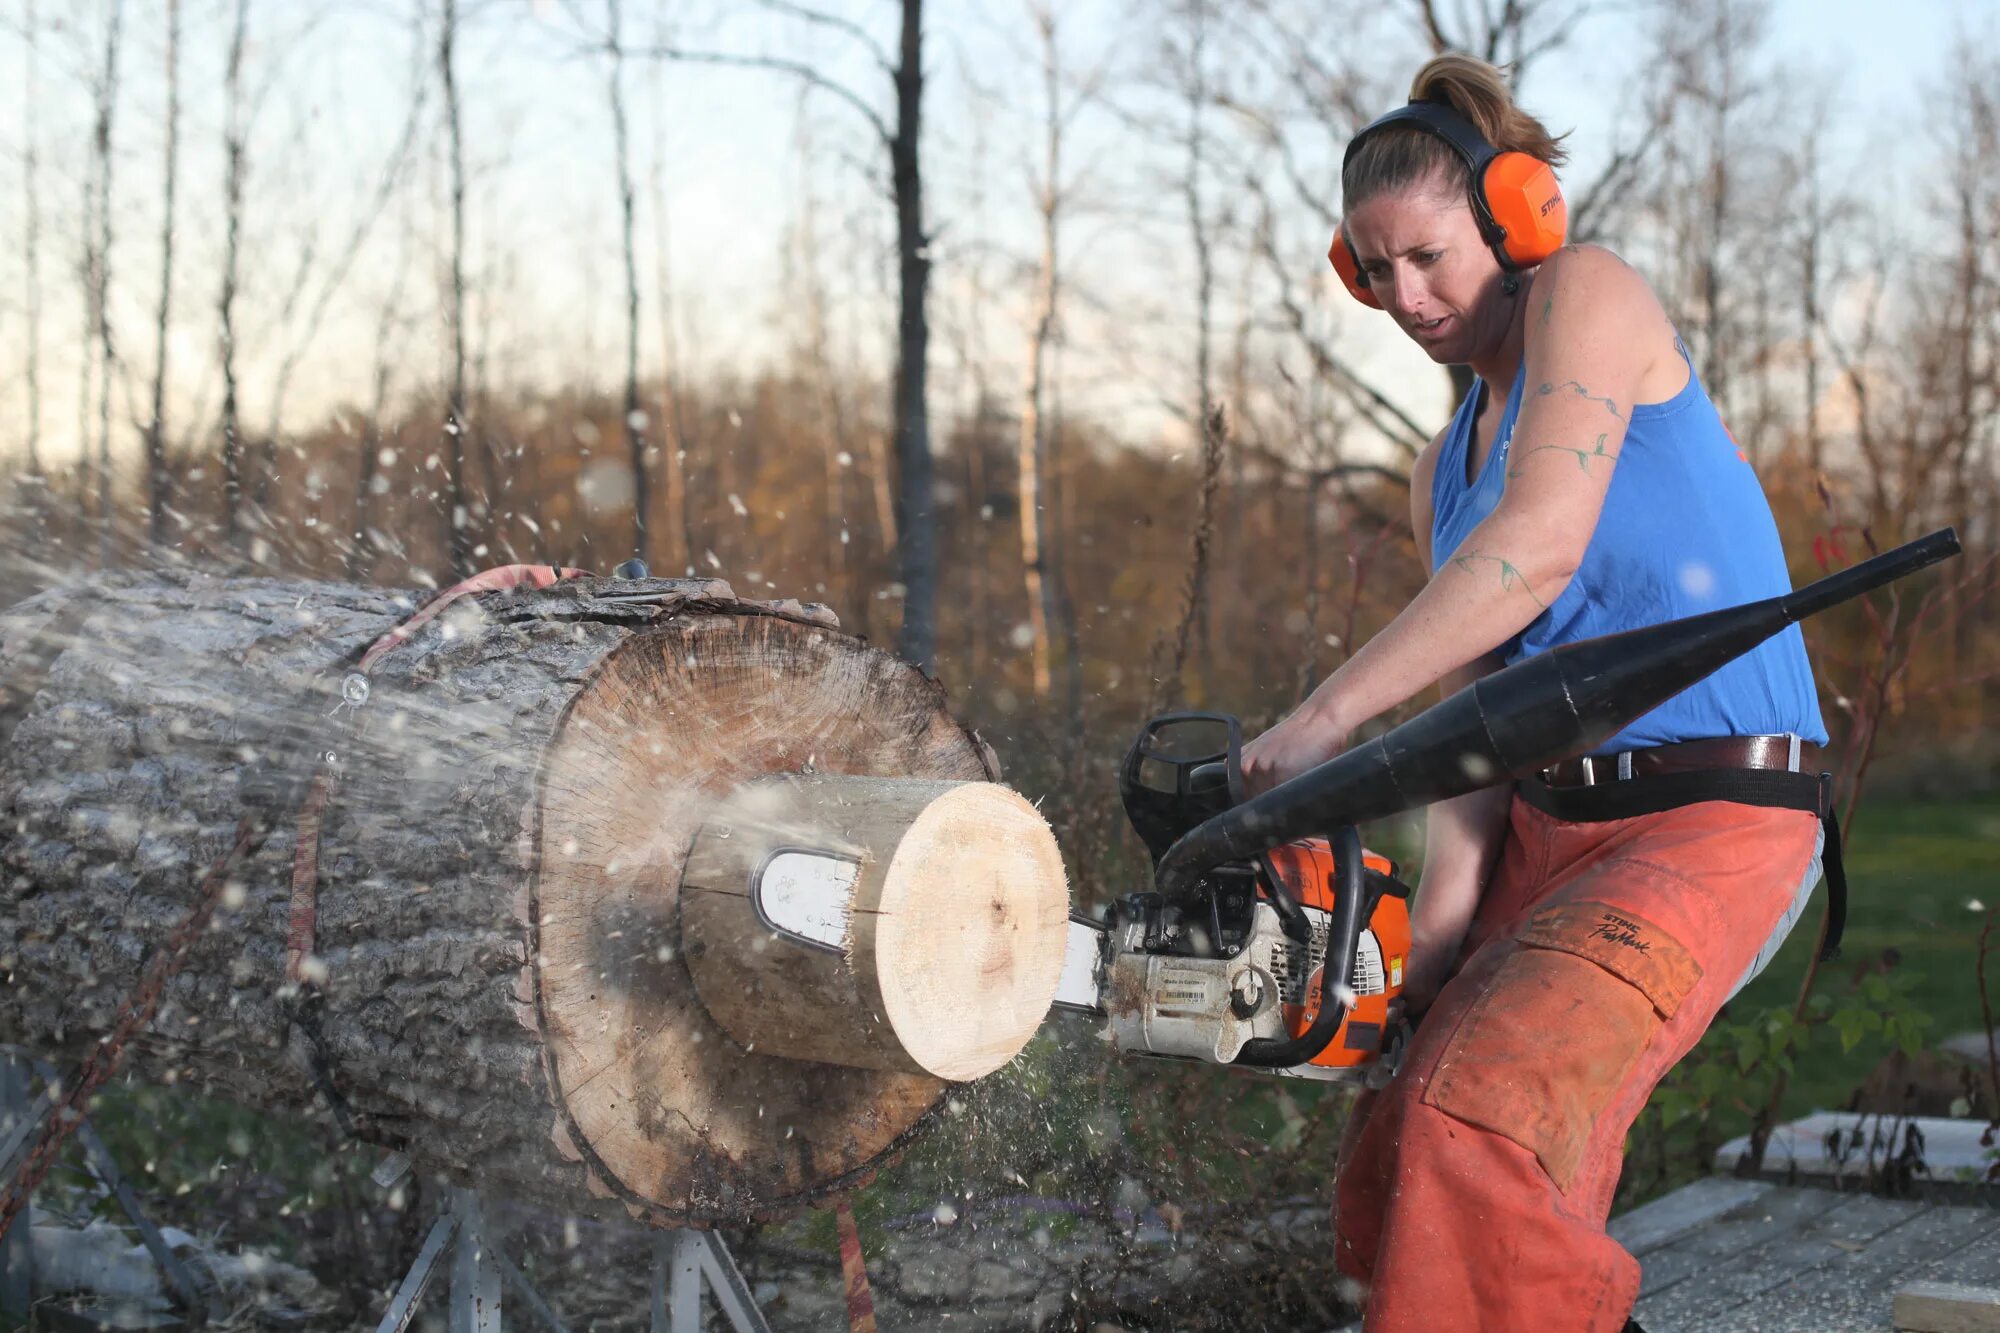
pixel 685 1264
pixel 22 1117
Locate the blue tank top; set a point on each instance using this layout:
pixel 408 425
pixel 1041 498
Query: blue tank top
pixel 1685 529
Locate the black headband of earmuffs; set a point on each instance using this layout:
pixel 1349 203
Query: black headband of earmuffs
pixel 1442 121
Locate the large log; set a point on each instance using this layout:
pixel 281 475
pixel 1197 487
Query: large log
pixel 495 933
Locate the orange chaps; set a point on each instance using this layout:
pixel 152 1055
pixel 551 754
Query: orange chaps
pixel 1474 1187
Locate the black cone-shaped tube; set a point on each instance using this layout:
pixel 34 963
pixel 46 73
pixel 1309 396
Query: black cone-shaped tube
pixel 1551 706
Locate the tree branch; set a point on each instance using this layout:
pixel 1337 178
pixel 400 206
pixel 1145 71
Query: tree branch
pixel 796 69
pixel 838 24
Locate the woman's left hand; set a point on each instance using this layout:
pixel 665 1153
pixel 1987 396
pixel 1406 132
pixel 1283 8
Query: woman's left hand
pixel 1302 741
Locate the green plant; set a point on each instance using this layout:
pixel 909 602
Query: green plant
pixel 1717 1091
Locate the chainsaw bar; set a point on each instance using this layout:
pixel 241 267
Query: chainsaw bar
pixel 1085 953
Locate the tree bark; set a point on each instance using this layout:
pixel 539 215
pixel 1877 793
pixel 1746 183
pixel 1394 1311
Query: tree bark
pixel 492 969
pixel 235 136
pixel 458 516
pixel 157 478
pixel 1032 452
pixel 635 433
pixel 31 264
pixel 107 353
pixel 916 521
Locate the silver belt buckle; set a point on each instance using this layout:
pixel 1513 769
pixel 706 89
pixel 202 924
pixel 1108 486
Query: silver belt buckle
pixel 1589 770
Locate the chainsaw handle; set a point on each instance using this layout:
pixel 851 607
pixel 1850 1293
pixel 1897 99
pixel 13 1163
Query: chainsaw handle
pixel 1350 913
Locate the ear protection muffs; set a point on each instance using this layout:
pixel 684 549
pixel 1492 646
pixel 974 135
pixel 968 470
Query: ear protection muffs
pixel 1515 197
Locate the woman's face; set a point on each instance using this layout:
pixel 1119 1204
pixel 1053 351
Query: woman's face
pixel 1427 264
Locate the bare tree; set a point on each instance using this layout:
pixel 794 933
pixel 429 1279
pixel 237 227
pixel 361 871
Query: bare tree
pixel 1047 605
pixel 105 92
pixel 635 434
pixel 158 480
pixel 394 172
pixel 1512 33
pixel 916 526
pixel 915 523
pixel 815 349
pixel 364 546
pixel 235 152
pixel 1207 416
pixel 31 208
pixel 1699 199
pixel 458 518
pixel 673 407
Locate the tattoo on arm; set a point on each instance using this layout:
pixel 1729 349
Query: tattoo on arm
pixel 1582 456
pixel 1510 576
pixel 1544 389
pixel 1549 305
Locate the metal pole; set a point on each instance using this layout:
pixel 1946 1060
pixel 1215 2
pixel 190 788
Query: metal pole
pixel 17 1249
pixel 684 1292
pixel 397 1318
pixel 662 1259
pixel 696 1259
pixel 198 1298
pixel 732 1293
pixel 475 1277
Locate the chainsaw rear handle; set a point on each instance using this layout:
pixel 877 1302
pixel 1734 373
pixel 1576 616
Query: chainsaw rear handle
pixel 1343 937
pixel 1556 704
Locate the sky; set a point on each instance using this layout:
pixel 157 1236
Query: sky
pixel 731 157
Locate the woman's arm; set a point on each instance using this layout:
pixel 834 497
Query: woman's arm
pixel 1462 839
pixel 1586 357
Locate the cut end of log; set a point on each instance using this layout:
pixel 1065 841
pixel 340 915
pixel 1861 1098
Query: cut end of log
pixel 668 1106
pixel 880 923
pixel 969 945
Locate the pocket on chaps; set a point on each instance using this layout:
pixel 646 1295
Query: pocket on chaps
pixel 1562 1022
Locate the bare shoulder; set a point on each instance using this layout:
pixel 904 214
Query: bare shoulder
pixel 1589 303
pixel 1589 282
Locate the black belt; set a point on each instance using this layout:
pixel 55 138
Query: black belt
pixel 1772 788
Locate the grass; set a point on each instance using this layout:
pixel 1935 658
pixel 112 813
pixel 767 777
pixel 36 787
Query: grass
pixel 1914 868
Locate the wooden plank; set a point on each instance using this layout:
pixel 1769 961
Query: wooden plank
pixel 1780 1255
pixel 1977 1265
pixel 1671 1216
pixel 1854 1288
pixel 1733 1234
pixel 1946 1307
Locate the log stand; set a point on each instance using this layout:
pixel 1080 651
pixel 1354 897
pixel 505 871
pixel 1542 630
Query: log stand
pixel 22 1114
pixel 684 1263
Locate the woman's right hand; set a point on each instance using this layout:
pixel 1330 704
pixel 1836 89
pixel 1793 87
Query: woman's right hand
pixel 1304 740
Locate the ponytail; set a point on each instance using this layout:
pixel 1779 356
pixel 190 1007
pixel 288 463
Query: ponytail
pixel 1398 155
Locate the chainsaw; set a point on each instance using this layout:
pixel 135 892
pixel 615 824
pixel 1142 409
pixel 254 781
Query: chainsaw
pixel 1285 962
pixel 1270 938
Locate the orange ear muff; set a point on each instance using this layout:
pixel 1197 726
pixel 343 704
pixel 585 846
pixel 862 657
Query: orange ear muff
pixel 1341 255
pixel 1525 201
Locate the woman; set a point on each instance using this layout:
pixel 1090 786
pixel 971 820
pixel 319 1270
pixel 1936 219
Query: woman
pixel 1585 485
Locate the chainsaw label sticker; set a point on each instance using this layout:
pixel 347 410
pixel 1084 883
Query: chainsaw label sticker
pixel 807 896
pixel 1368 975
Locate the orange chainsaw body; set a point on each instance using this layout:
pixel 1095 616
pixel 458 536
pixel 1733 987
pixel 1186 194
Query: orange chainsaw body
pixel 1306 867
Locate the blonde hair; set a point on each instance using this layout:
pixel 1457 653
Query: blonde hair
pixel 1403 154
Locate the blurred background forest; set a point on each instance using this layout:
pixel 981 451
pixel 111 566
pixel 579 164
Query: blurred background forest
pixel 1006 331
